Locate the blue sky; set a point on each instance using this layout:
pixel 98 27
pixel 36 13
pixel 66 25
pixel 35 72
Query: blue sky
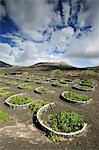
pixel 37 31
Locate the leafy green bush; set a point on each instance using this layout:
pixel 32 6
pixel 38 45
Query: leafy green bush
pixel 37 105
pixel 4 116
pixel 57 72
pixel 66 121
pixel 59 84
pixel 3 90
pixel 5 96
pixel 21 100
pixel 27 86
pixel 38 80
pixel 88 82
pixel 86 87
pixel 83 86
pixel 65 80
pixel 41 80
pixel 54 79
pixel 44 89
pixel 75 96
pixel 90 73
pixel 12 82
pixel 34 109
pixel 1 86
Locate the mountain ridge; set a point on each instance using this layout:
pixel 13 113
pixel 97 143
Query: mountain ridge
pixel 3 64
pixel 46 66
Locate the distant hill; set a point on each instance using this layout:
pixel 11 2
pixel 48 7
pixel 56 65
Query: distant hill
pixel 46 66
pixel 3 64
pixel 96 68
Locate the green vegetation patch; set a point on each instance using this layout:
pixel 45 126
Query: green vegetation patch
pixel 54 79
pixel 66 80
pixel 66 121
pixel 44 89
pixel 90 73
pixel 4 116
pixel 13 82
pixel 41 80
pixel 88 82
pixel 7 95
pixel 2 87
pixel 27 86
pixel 60 84
pixel 75 96
pixel 38 80
pixel 3 91
pixel 37 105
pixel 83 87
pixel 57 72
pixel 21 100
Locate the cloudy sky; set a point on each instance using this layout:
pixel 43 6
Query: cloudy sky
pixel 34 31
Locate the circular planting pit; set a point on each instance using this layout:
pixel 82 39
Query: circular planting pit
pixel 43 90
pixel 83 87
pixel 59 84
pixel 19 101
pixel 12 83
pixel 48 79
pixel 27 86
pixel 75 97
pixel 54 79
pixel 66 80
pixel 40 81
pixel 65 124
pixel 89 82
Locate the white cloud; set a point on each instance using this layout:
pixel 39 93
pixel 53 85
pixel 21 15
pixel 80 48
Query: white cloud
pixel 30 14
pixel 2 11
pixel 87 46
pixel 8 53
pixel 34 16
pixel 34 53
pixel 61 38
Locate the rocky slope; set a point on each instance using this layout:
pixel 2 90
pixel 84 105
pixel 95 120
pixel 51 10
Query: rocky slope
pixel 3 64
pixel 46 66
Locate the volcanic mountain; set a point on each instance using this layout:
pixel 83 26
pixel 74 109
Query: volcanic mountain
pixel 3 64
pixel 46 66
